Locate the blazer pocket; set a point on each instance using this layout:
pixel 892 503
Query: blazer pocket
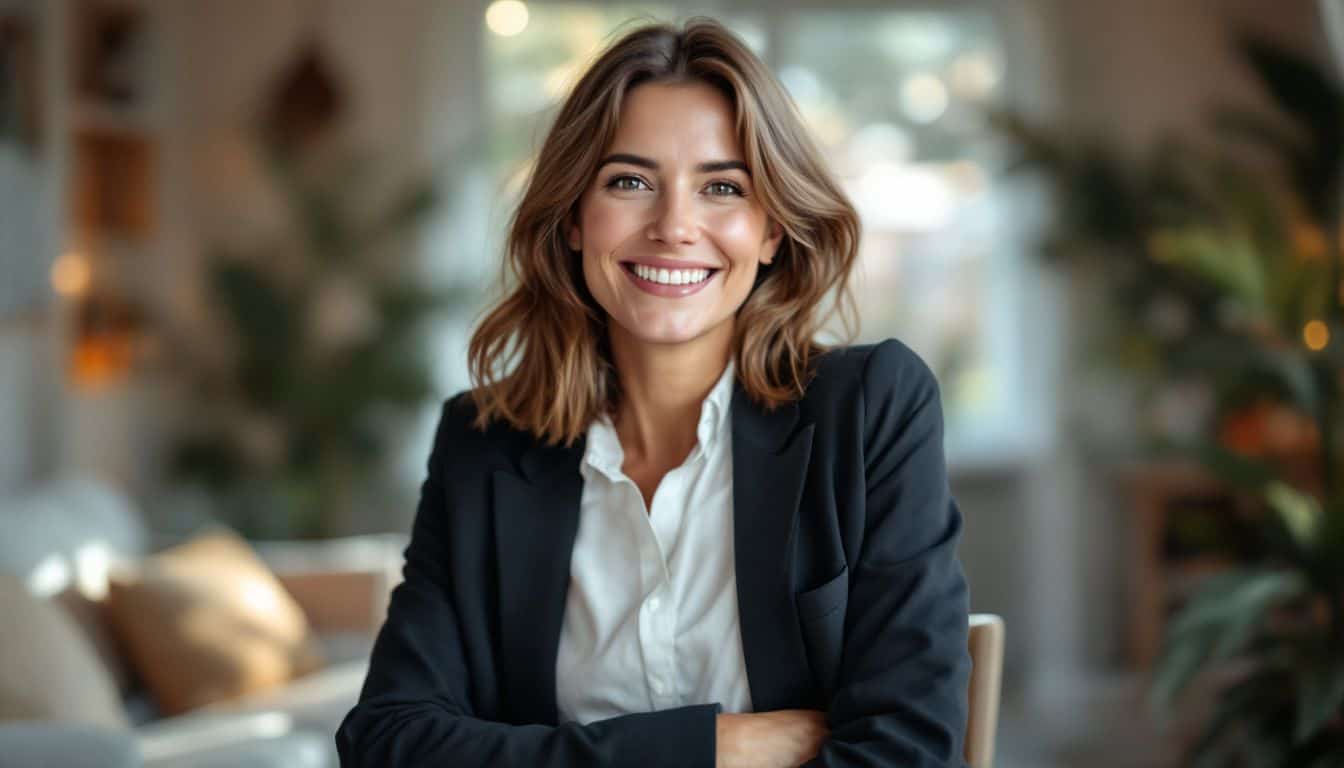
pixel 819 601
pixel 821 616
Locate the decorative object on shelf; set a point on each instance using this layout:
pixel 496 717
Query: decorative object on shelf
pixel 111 65
pixel 108 340
pixel 20 94
pixel 1223 268
pixel 113 187
pixel 109 226
pixel 321 358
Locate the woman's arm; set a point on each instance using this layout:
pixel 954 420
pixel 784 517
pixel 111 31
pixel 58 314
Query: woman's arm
pixel 901 695
pixel 414 709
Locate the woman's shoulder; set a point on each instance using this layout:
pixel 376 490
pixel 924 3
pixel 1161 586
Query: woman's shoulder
pixel 878 371
pixel 459 434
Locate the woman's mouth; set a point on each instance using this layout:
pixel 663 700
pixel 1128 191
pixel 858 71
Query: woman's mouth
pixel 668 282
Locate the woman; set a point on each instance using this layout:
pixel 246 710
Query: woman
pixel 666 527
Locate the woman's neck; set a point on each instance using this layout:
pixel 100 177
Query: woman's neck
pixel 662 389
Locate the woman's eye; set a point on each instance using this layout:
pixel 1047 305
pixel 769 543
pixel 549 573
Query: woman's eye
pixel 724 189
pixel 620 183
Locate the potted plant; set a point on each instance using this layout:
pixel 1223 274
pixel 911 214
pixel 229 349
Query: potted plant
pixel 1223 266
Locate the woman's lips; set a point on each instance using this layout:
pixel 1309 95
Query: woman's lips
pixel 659 289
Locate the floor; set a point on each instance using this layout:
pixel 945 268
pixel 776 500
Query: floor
pixel 1104 723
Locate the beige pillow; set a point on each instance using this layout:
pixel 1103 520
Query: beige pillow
pixel 207 621
pixel 48 669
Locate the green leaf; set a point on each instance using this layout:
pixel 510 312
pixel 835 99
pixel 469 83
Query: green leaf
pixel 1181 660
pixel 1216 623
pixel 1235 707
pixel 1226 260
pixel 1299 86
pixel 1238 358
pixel 1310 96
pixel 1235 596
pixel 1300 513
pixel 1320 693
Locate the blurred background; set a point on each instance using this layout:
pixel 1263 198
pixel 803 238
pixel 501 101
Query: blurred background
pixel 243 245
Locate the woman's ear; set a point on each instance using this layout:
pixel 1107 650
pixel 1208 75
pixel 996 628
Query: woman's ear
pixel 573 237
pixel 774 236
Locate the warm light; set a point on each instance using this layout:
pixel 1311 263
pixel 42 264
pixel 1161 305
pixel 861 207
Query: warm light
pixel 924 98
pixel 506 18
pixel 1316 335
pixel 97 361
pixel 70 275
pixel 973 74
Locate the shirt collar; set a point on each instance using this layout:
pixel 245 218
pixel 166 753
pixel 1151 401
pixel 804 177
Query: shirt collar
pixel 603 449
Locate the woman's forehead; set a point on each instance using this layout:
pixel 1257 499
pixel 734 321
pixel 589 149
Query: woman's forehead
pixel 685 123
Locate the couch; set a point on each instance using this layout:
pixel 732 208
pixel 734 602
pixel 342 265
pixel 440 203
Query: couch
pixel 59 542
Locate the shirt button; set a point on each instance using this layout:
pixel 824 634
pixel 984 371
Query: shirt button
pixel 658 686
pixel 652 604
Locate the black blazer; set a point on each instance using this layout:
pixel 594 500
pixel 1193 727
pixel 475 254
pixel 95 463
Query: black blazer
pixel 850 595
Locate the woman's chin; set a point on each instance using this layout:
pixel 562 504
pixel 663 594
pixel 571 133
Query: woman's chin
pixel 651 331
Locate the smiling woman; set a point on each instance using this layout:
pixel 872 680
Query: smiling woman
pixel 667 526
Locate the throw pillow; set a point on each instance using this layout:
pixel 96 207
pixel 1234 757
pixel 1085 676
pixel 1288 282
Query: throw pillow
pixel 207 621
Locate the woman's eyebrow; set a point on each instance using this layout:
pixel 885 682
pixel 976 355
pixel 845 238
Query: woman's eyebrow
pixel 708 167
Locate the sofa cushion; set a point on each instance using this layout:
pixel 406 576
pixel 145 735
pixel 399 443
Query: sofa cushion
pixel 206 621
pixel 319 701
pixel 204 738
pixel 296 749
pixel 61 539
pixel 48 669
pixel 66 745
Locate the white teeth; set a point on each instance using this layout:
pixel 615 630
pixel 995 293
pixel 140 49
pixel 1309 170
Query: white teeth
pixel 671 276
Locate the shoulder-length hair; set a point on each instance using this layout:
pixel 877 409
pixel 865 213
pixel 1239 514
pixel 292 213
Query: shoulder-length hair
pixel 540 360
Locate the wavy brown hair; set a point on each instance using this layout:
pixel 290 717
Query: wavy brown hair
pixel 540 359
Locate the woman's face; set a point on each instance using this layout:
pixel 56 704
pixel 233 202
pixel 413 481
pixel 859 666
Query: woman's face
pixel 670 227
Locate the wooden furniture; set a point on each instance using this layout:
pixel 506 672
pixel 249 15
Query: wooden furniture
pixel 986 645
pixel 1161 572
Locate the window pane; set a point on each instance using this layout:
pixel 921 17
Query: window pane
pixel 899 118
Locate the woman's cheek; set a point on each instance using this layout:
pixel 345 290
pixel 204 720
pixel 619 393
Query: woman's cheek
pixel 736 230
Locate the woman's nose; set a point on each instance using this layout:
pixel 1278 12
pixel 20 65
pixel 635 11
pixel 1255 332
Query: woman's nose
pixel 675 220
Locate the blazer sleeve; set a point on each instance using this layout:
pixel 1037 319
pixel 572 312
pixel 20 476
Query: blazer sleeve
pixel 414 708
pixel 901 695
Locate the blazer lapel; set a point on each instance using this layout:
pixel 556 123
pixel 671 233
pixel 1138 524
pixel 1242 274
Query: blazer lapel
pixel 770 456
pixel 536 517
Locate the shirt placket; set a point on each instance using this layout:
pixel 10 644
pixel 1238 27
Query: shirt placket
pixel 657 620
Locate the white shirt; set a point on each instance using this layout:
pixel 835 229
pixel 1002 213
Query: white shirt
pixel 651 616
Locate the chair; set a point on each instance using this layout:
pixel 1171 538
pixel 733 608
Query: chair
pixel 986 645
